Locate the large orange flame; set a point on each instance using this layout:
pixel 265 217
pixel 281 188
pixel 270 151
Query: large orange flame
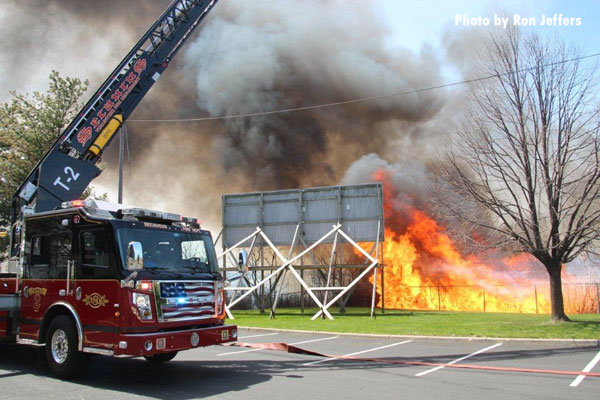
pixel 425 270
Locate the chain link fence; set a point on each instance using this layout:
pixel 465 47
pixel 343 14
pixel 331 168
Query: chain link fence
pixel 579 298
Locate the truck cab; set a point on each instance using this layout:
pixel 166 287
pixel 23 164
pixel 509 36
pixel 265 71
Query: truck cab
pixel 103 278
pixel 96 277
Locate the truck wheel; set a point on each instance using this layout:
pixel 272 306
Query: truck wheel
pixel 61 348
pixel 161 358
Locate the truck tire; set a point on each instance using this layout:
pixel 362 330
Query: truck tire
pixel 161 358
pixel 62 355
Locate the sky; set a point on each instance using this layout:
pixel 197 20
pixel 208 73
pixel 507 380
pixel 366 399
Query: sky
pixel 427 23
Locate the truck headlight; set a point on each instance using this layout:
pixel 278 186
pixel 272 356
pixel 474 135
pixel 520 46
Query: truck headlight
pixel 219 302
pixel 142 302
pixel 219 298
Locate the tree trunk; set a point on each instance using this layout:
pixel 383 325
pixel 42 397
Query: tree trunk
pixel 556 295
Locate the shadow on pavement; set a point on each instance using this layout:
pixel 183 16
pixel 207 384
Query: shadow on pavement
pixel 174 380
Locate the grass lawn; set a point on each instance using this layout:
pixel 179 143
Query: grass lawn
pixel 356 320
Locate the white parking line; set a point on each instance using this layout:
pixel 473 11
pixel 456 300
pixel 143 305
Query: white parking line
pixel 262 334
pixel 587 368
pixel 251 350
pixel 458 359
pixel 358 352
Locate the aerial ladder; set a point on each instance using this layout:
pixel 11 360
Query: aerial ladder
pixel 71 163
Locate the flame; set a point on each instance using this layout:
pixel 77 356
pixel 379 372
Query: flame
pixel 424 269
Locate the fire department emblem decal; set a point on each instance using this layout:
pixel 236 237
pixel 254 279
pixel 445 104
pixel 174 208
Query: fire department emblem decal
pixel 140 65
pixel 95 300
pixel 37 302
pixel 37 293
pixel 84 135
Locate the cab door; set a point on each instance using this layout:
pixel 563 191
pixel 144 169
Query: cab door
pixel 97 288
pixel 47 258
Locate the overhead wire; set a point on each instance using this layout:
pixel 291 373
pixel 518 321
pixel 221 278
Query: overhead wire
pixel 362 99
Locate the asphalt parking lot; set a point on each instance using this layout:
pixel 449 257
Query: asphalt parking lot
pixel 240 373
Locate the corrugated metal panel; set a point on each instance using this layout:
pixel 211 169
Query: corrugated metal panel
pixel 357 207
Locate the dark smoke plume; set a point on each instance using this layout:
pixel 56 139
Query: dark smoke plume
pixel 266 55
pixel 246 57
pixel 78 38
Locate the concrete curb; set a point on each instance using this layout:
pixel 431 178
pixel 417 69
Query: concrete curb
pixel 578 342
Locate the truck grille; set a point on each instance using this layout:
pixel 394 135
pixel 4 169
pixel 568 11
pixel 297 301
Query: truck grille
pixel 184 300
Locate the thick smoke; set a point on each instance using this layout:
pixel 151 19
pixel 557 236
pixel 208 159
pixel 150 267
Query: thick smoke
pixel 82 39
pixel 410 180
pixel 246 57
pixel 265 55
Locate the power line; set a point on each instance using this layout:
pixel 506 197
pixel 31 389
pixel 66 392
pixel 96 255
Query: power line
pixel 363 99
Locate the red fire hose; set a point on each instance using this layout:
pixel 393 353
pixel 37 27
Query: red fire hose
pixel 298 350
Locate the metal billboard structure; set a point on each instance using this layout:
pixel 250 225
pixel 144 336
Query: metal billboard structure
pixel 299 223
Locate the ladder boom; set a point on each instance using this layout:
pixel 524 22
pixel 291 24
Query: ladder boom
pixel 69 166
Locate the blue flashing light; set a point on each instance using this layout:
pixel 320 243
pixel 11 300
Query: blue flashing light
pixel 181 300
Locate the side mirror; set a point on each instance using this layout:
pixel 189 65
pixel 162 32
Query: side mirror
pixel 242 258
pixel 135 256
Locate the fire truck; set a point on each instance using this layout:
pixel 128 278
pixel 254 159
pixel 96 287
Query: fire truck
pixel 91 277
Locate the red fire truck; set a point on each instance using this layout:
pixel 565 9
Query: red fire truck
pixel 102 278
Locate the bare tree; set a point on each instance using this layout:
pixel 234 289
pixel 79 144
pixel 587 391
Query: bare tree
pixel 528 153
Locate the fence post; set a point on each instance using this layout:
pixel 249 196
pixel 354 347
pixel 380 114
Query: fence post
pixel 439 300
pixel 382 278
pixel 598 296
pixel 484 300
pixel 302 289
pixel 536 301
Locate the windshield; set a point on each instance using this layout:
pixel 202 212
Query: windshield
pixel 164 250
